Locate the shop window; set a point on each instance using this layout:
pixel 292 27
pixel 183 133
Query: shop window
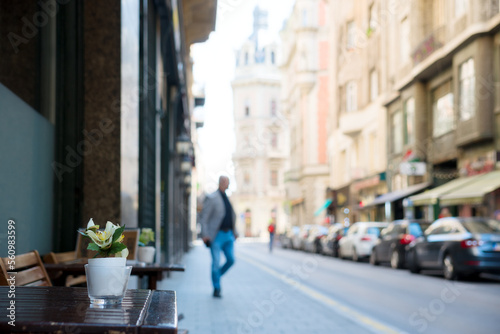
pixel 466 101
pixel 442 108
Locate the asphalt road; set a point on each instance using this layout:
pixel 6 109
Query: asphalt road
pixel 383 298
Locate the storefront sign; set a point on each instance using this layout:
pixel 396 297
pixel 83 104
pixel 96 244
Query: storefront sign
pixel 413 168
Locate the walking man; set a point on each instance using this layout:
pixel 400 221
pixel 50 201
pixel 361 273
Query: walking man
pixel 217 221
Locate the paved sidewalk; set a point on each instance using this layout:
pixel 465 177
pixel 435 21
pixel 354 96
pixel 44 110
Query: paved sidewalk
pixel 253 301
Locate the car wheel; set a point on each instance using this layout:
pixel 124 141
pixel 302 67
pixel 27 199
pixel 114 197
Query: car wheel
pixel 396 260
pixel 413 263
pixel 449 269
pixel 373 258
pixel 355 256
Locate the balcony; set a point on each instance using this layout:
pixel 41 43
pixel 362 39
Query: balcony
pixel 352 123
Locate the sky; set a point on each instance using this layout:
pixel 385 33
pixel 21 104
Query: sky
pixel 214 64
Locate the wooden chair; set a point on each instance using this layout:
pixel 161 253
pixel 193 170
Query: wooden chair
pixel 62 258
pixel 3 274
pixel 30 270
pixel 130 239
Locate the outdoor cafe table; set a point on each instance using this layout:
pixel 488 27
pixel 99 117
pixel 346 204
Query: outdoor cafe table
pixel 68 310
pixel 153 271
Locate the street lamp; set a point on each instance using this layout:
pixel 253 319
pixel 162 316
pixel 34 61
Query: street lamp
pixel 186 164
pixel 183 144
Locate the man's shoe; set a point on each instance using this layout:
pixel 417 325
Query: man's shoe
pixel 217 293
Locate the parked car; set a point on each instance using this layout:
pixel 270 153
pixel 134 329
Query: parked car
pixel 299 240
pixel 287 237
pixel 360 239
pixel 330 243
pixel 394 239
pixel 313 240
pixel 458 246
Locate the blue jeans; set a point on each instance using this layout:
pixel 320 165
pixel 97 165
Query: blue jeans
pixel 224 241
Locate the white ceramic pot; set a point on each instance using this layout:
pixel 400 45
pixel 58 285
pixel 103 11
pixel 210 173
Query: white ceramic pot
pixel 146 254
pixel 107 279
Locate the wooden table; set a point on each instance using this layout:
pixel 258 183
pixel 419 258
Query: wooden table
pixel 153 271
pixel 68 310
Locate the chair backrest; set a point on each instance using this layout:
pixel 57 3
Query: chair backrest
pixel 59 257
pixel 30 270
pixel 130 239
pixel 3 274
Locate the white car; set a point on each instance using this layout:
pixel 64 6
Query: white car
pixel 360 239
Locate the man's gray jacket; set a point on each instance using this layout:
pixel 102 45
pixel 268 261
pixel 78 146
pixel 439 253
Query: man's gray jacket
pixel 212 214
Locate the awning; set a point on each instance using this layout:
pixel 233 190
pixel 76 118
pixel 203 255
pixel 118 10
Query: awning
pixel 398 194
pixel 473 192
pixel 323 207
pixel 430 197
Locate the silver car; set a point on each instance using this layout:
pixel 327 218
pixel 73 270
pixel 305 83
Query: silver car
pixel 360 239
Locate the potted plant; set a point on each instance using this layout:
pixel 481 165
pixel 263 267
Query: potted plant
pixel 146 251
pixel 107 273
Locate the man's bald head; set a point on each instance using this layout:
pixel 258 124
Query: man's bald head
pixel 223 183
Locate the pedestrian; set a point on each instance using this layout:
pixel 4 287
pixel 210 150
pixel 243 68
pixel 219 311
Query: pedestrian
pixel 445 212
pixel 496 214
pixel 217 220
pixel 271 229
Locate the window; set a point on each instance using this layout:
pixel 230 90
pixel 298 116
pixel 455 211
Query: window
pixel 247 108
pixel 460 7
pixel 397 133
pixel 274 178
pixel 409 121
pixel 273 108
pixel 373 21
pixel 466 90
pixel 274 140
pixel 404 46
pixel 272 58
pixel 351 35
pixel 351 96
pixel 246 178
pixel 442 109
pixel 373 85
pixel 246 58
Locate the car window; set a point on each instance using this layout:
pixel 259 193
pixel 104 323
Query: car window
pixel 417 229
pixel 482 226
pixel 374 230
pixel 434 229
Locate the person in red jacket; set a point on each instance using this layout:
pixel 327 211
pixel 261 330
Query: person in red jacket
pixel 271 229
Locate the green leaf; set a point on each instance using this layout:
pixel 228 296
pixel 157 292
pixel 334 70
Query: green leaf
pixel 116 247
pixel 118 233
pixel 93 247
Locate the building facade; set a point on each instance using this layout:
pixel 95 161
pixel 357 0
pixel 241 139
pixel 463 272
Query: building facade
pixel 96 126
pixel 306 102
pixel 261 134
